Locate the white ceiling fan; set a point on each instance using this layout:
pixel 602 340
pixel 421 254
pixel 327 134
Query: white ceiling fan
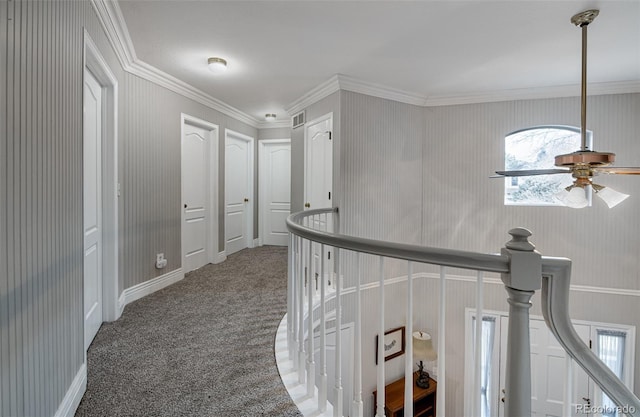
pixel 584 163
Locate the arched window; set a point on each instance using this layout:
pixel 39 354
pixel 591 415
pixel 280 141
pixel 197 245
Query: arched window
pixel 536 148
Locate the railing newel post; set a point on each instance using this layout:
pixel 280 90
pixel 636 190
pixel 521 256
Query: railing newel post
pixel 521 282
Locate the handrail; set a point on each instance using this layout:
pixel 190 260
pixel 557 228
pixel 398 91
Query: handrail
pixel 556 273
pixel 523 272
pixel 425 254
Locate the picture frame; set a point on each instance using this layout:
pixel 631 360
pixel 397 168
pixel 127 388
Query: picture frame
pixel 394 343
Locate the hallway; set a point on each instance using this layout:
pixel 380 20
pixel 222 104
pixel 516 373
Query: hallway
pixel 201 347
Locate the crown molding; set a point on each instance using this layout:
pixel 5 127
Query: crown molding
pixel 623 87
pixel 318 93
pixel 378 90
pixel 277 124
pixel 347 83
pixel 114 25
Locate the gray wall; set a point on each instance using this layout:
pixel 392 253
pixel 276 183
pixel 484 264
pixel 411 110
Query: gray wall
pixel 420 175
pixel 41 309
pixel 41 298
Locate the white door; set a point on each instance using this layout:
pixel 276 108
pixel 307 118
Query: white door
pixel 197 188
pixel 275 190
pixel 92 202
pixel 318 162
pixel 548 368
pixel 238 186
pixel 318 177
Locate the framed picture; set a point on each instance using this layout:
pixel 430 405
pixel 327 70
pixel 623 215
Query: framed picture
pixel 394 343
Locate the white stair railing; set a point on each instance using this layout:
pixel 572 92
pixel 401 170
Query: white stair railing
pixel 522 269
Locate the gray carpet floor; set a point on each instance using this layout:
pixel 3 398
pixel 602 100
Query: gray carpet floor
pixel 201 347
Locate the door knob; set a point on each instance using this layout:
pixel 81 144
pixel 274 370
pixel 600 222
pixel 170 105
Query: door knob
pixel 246 200
pixel 307 205
pixel 185 206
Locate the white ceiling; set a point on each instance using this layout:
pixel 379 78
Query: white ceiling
pixel 438 50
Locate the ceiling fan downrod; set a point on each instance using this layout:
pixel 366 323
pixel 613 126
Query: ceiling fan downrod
pixel 585 157
pixel 582 20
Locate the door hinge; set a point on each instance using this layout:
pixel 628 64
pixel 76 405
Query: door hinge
pixel 330 135
pixel 590 344
pixel 329 195
pixel 328 255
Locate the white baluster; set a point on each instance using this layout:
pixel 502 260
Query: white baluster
pixel 381 379
pixel 322 391
pixel 408 360
pixel 338 401
pixel 311 365
pixel 301 355
pixel 477 371
pixel 357 407
pixel 296 301
pixel 442 374
pixel 290 287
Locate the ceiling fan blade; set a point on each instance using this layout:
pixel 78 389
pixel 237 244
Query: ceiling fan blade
pixel 617 170
pixel 528 172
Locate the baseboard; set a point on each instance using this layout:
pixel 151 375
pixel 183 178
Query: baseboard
pixel 221 257
pixel 256 243
pixel 148 287
pixel 74 394
pixel 121 304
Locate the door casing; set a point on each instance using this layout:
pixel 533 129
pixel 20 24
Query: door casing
pixel 212 231
pixel 263 174
pixel 249 208
pixel 112 305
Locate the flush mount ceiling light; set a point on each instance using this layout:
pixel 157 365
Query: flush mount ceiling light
pixel 217 65
pixel 270 117
pixel 585 163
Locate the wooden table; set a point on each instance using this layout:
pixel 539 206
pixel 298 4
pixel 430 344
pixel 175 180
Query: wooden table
pixel 424 400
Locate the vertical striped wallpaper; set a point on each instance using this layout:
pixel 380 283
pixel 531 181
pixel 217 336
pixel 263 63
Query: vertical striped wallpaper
pixel 41 309
pixel 41 282
pixel 420 175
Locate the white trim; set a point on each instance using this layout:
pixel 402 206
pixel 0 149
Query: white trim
pixel 494 281
pixel 256 243
pixel 72 398
pixel 251 177
pixel 261 175
pixel 221 257
pixel 347 83
pixel 308 406
pixel 316 94
pixel 97 65
pixel 121 303
pixel 213 185
pixel 378 90
pixel 274 125
pixel 138 291
pixel 595 89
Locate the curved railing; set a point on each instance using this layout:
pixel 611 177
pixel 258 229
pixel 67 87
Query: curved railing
pixel 522 269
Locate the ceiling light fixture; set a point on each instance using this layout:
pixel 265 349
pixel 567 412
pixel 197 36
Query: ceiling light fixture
pixel 270 117
pixel 217 65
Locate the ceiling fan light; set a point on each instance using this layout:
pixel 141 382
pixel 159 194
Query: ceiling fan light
pixel 611 196
pixel 575 197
